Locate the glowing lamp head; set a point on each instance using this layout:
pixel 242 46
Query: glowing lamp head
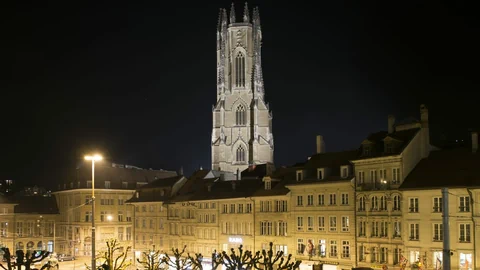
pixel 94 157
pixel 109 218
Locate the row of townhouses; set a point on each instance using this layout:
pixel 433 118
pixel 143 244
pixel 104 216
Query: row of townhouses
pixel 379 205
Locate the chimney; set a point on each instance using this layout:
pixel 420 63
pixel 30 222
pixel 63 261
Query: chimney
pixel 180 172
pixel 474 142
pixel 424 116
pixel 391 123
pixel 320 144
pixel 238 174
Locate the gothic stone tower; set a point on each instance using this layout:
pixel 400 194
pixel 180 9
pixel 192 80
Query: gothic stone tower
pixel 242 122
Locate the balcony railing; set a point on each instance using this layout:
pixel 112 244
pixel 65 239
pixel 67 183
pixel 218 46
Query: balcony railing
pixel 374 186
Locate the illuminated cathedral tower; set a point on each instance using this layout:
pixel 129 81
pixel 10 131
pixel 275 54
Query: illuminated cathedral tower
pixel 242 122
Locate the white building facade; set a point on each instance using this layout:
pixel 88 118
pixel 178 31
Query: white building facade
pixel 242 122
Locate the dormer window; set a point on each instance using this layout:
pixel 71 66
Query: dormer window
pixel 344 171
pixel 299 175
pixel 320 174
pixel 367 150
pixel 268 184
pixel 162 192
pixel 389 148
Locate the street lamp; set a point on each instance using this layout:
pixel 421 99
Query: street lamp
pixel 93 158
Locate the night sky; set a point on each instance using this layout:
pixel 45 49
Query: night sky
pixel 137 82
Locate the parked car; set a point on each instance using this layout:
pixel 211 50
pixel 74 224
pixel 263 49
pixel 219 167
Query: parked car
pixel 65 257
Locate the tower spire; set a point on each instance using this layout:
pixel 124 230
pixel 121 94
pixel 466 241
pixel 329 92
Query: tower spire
pixel 219 28
pixel 232 13
pixel 258 87
pixel 222 39
pixel 246 13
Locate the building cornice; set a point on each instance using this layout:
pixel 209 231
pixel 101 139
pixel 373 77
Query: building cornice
pixel 377 160
pixel 90 190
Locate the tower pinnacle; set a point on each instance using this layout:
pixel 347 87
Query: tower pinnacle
pixel 246 13
pixel 232 13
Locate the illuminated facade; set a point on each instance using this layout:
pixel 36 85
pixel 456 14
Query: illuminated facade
pixel 385 159
pixel 242 122
pixel 114 185
pixel 458 170
pixel 27 222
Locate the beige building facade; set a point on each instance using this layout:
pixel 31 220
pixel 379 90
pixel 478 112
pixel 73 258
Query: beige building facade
pixel 384 160
pixel 28 222
pixel 114 218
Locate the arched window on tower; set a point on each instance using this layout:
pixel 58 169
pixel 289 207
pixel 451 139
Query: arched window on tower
pixel 241 115
pixel 240 70
pixel 240 154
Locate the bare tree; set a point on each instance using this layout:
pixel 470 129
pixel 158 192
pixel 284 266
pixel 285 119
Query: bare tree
pixel 114 258
pixel 151 260
pixel 8 257
pixel 270 261
pixel 183 262
pixel 265 260
pixel 242 260
pixel 23 259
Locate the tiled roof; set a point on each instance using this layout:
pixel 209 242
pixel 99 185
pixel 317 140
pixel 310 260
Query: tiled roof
pixel 5 200
pixel 445 168
pixel 278 188
pixel 378 146
pixel 331 159
pixel 256 171
pixel 36 205
pixel 116 175
pixel 163 182
pixel 226 189
pixel 157 191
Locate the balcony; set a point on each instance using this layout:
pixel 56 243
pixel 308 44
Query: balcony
pixel 373 186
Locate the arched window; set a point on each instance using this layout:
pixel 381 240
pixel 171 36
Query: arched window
pixel 240 154
pixel 241 115
pixel 240 70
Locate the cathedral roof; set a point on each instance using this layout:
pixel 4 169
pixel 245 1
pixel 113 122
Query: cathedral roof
pixel 457 167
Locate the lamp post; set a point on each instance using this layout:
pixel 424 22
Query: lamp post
pixel 93 158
